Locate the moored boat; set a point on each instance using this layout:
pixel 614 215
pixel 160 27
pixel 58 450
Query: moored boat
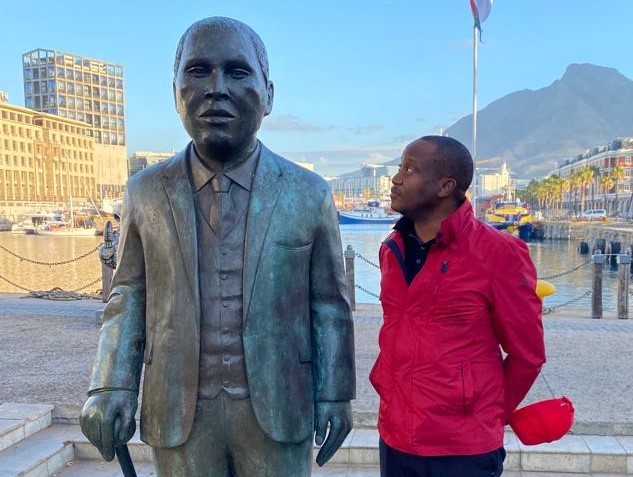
pixel 370 214
pixel 511 216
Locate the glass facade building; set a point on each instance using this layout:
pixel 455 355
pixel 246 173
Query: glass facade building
pixel 79 88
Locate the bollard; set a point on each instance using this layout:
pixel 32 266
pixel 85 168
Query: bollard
pixel 596 297
pixel 623 286
pixel 106 281
pixel 614 251
pixel 349 275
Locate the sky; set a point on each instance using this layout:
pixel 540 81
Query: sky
pixel 355 81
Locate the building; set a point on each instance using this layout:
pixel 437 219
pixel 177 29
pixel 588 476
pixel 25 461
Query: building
pixel 44 159
pixel 373 181
pixel 602 160
pixel 87 90
pixel 142 159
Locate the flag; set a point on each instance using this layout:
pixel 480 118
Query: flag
pixel 481 10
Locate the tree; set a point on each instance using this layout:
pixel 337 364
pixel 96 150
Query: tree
pixel 586 178
pixel 617 174
pixel 575 183
pixel 606 182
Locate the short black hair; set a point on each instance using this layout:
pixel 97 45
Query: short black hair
pixel 226 24
pixel 452 159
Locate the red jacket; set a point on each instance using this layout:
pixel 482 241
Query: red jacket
pixel 444 386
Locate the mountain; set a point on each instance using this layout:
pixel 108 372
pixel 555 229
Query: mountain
pixel 532 130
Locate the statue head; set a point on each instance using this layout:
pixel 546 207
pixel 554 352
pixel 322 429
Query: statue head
pixel 221 88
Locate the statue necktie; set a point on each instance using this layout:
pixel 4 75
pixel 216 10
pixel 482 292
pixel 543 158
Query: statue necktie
pixel 222 214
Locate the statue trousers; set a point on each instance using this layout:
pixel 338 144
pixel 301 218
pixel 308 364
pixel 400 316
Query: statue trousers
pixel 226 441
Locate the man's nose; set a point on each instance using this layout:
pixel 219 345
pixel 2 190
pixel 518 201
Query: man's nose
pixel 216 86
pixel 396 179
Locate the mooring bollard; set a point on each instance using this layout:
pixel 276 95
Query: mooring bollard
pixel 349 275
pixel 596 294
pixel 106 281
pixel 623 286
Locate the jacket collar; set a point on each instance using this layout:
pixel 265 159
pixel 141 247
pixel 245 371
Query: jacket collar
pixel 451 227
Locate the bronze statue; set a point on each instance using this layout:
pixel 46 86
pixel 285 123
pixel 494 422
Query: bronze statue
pixel 229 289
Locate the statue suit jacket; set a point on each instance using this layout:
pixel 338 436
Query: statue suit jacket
pixel 297 327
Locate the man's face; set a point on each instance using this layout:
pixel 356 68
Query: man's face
pixel 415 187
pixel 220 92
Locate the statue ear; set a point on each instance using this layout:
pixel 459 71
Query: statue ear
pixel 270 94
pixel 173 87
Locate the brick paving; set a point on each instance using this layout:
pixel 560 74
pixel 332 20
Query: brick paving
pixel 47 349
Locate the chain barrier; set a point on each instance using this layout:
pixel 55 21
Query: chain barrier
pixel 557 275
pixel 50 264
pixel 367 291
pixel 550 309
pixel 57 293
pixel 364 259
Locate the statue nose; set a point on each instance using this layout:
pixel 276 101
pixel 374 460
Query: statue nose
pixel 216 86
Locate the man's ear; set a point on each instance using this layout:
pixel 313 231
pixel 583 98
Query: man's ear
pixel 270 95
pixel 447 189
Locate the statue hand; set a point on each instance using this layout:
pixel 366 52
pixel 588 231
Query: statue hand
pixel 107 420
pixel 339 416
pixel 107 251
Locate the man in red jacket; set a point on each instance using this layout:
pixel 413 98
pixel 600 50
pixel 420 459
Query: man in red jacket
pixel 455 292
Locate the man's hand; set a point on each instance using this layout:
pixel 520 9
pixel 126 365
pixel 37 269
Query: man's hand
pixel 107 420
pixel 339 416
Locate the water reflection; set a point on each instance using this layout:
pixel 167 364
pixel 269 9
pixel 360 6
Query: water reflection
pixel 550 257
pixel 26 275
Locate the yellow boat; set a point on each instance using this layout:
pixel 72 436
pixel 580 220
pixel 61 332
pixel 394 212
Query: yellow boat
pixel 511 216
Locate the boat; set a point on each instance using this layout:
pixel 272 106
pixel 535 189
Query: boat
pixel 30 224
pixel 65 230
pixel 512 216
pixel 370 214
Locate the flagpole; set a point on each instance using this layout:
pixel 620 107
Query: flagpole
pixel 474 139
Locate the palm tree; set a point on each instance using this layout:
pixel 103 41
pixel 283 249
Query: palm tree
pixel 595 183
pixel 606 182
pixel 586 178
pixel 575 183
pixel 617 174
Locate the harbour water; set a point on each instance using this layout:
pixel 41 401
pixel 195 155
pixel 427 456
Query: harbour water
pixel 551 258
pixel 18 273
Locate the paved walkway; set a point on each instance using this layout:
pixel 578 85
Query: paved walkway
pixel 47 349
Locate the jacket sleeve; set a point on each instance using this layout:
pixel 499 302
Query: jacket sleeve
pixel 516 315
pixel 119 357
pixel 332 328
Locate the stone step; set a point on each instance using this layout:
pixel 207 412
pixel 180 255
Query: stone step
pixel 572 454
pixel 39 455
pixel 19 421
pixel 45 451
pixel 83 468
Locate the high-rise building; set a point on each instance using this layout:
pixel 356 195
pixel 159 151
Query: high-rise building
pixel 86 90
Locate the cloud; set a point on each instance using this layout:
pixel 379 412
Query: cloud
pixel 289 122
pixel 362 130
pixel 338 160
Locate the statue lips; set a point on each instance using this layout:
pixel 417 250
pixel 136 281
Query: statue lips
pixel 217 116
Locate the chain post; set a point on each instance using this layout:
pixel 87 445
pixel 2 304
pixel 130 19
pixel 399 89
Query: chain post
pixel 349 275
pixel 623 285
pixel 598 260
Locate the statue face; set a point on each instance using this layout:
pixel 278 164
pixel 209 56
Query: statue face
pixel 220 92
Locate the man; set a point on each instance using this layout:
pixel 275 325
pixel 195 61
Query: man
pixel 453 291
pixel 229 288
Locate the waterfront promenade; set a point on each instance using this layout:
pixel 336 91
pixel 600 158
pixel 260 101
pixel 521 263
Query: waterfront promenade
pixel 47 349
